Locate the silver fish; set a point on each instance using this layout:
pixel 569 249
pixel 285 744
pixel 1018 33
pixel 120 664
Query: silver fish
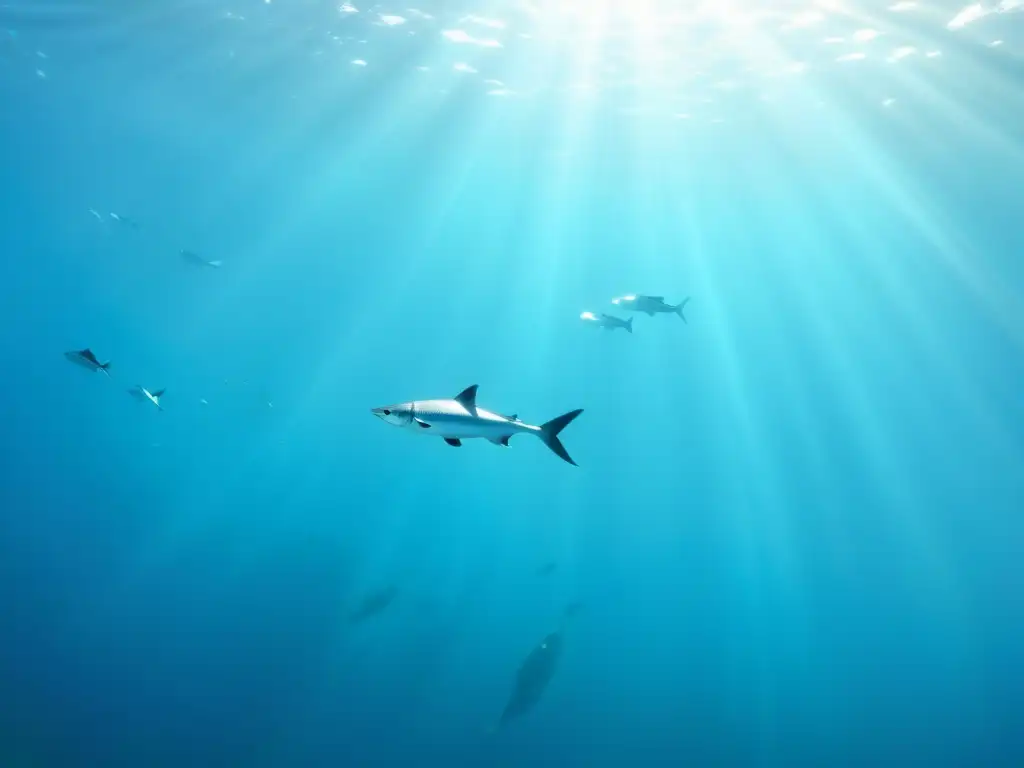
pixel 650 304
pixel 608 322
pixel 86 359
pixel 143 395
pixel 460 419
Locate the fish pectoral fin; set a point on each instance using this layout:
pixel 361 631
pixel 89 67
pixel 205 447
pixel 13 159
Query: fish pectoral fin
pixel 454 442
pixel 467 399
pixel 650 313
pixel 502 441
pixel 422 424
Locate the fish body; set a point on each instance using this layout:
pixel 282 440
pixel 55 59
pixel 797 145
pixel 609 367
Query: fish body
pixel 532 678
pixel 651 305
pixel 461 419
pixel 143 395
pixel 200 261
pixel 373 603
pixel 608 322
pixel 86 359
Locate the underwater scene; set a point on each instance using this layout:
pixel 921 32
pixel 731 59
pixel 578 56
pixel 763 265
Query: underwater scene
pixel 512 383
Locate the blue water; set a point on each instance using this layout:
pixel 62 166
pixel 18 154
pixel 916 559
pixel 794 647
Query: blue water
pixel 795 533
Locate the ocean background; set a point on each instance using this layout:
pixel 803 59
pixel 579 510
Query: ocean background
pixel 796 531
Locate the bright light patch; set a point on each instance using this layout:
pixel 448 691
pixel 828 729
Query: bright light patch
pixel 804 20
pixel 492 23
pixel 903 7
pixel 865 35
pixel 463 67
pixel 358 63
pixel 969 14
pixel 902 53
pixel 461 36
pixel 347 8
pixel 851 57
pixel 391 21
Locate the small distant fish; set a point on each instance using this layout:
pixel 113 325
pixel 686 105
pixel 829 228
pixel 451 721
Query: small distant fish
pixel 547 569
pixel 86 359
pixel 124 220
pixel 651 305
pixel 460 419
pixel 608 322
pixel 373 603
pixel 572 609
pixel 194 258
pixel 143 395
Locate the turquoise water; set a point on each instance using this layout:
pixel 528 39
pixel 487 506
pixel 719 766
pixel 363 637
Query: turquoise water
pixel 795 533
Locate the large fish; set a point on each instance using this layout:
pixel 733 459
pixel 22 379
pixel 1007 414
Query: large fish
pixel 608 322
pixel 532 678
pixel 651 305
pixel 143 395
pixel 460 419
pixel 86 359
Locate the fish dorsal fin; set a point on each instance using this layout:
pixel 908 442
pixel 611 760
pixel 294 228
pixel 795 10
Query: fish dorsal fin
pixel 158 394
pixel 657 298
pixel 514 417
pixel 467 399
pixel 88 355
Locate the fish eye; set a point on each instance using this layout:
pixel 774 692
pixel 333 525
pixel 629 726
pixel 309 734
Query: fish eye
pixel 387 412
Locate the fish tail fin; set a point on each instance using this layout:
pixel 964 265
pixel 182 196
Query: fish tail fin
pixel 105 367
pixel 679 308
pixel 629 325
pixel 549 434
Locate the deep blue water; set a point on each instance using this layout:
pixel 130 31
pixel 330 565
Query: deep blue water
pixel 795 532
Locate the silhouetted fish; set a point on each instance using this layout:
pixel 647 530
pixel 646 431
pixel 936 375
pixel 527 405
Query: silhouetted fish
pixel 86 359
pixel 533 678
pixel 373 603
pixel 547 569
pixel 572 609
pixel 194 258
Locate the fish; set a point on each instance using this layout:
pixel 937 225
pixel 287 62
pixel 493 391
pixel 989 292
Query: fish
pixel 373 603
pixel 86 359
pixel 124 220
pixel 548 568
pixel 195 258
pixel 608 322
pixel 143 395
pixel 651 305
pixel 532 678
pixel 461 419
